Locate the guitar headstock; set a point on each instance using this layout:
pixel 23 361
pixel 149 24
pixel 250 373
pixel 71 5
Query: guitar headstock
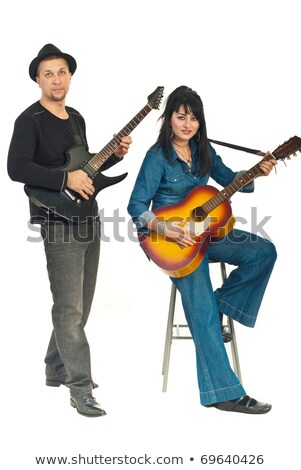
pixel 288 148
pixel 154 99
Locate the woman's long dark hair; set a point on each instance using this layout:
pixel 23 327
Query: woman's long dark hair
pixel 192 104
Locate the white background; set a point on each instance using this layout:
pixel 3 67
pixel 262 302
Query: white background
pixel 243 58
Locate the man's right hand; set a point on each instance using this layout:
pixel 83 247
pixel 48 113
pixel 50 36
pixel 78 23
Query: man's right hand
pixel 80 182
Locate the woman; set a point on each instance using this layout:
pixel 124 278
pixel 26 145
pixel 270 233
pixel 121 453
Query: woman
pixel 179 161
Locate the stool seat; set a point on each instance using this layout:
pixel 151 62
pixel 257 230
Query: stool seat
pixel 181 331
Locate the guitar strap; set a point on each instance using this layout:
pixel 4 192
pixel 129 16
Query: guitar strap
pixel 238 147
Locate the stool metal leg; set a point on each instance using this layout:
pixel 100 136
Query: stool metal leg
pixel 170 336
pixel 234 350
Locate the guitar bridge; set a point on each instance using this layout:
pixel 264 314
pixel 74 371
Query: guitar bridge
pixel 197 228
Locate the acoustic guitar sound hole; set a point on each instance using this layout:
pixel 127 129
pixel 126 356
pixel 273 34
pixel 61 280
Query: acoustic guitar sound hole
pixel 199 213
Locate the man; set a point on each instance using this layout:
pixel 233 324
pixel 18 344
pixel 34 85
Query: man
pixel 41 136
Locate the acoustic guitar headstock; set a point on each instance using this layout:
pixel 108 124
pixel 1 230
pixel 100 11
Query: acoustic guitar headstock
pixel 288 149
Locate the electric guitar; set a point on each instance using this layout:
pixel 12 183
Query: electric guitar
pixel 69 204
pixel 207 213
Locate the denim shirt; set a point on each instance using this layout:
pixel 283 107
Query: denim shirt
pixel 161 182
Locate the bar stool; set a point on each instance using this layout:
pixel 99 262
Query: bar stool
pixel 175 331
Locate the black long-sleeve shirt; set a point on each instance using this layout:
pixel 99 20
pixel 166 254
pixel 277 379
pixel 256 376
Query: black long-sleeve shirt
pixel 38 149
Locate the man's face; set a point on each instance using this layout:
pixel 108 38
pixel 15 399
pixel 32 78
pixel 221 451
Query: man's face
pixel 53 77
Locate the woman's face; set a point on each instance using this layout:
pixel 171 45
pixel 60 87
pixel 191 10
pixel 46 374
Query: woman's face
pixel 184 125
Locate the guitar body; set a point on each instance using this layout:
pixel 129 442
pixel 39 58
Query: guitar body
pixel 167 254
pixel 67 203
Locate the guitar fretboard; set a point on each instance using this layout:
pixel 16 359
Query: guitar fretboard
pixel 231 189
pixel 99 158
pixel 285 150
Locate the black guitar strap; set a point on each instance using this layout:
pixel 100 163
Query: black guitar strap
pixel 238 147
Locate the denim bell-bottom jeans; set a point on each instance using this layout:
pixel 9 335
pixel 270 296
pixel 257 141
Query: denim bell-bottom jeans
pixel 72 254
pixel 239 297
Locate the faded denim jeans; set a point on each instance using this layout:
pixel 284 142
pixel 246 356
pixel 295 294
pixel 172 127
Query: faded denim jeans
pixel 239 297
pixel 72 253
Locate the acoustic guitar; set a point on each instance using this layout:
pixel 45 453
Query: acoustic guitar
pixel 69 204
pixel 206 211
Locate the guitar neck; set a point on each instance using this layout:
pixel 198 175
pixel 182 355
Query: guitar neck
pixel 99 158
pixel 235 186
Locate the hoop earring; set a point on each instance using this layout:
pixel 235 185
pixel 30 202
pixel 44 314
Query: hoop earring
pixel 171 134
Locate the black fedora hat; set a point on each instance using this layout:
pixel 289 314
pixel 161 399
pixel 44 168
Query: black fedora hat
pixel 47 51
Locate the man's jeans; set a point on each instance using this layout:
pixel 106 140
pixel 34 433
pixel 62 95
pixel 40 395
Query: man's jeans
pixel 72 253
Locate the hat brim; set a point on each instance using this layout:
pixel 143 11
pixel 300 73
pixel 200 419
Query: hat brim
pixel 35 62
